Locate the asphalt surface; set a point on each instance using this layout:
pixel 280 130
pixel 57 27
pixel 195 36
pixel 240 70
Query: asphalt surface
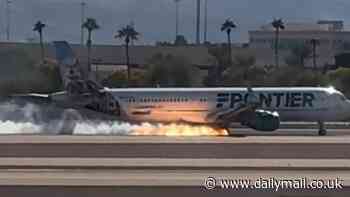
pixel 160 182
pixel 40 165
pixel 112 191
pixel 241 132
pixel 150 178
pixel 273 147
pixel 173 164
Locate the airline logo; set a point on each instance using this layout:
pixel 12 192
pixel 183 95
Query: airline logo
pixel 269 100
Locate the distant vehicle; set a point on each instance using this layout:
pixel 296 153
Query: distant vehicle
pixel 261 109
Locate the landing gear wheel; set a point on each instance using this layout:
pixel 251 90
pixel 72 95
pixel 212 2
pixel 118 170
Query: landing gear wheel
pixel 322 132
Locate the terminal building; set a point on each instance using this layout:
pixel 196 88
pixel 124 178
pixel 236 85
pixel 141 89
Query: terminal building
pixel 332 37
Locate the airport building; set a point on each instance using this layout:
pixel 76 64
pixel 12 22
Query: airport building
pixel 331 35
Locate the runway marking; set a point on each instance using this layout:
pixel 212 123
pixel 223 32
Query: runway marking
pixel 174 163
pixel 42 139
pixel 152 177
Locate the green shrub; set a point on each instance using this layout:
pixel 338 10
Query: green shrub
pixel 20 74
pixel 340 79
pixel 116 80
pixel 170 71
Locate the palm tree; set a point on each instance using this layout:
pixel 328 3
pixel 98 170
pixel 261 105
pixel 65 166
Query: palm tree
pixel 314 42
pixel 278 25
pixel 90 25
pixel 38 27
pixel 127 34
pixel 227 27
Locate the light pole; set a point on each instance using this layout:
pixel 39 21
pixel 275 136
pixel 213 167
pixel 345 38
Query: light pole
pixel 177 19
pixel 83 5
pixel 198 41
pixel 205 20
pixel 8 18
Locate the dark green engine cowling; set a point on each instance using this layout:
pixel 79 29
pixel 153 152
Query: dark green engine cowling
pixel 264 121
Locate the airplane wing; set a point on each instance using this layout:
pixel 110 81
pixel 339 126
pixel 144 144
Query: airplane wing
pixel 35 98
pixel 248 114
pixel 227 116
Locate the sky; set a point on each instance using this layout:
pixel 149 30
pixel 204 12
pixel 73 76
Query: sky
pixel 155 19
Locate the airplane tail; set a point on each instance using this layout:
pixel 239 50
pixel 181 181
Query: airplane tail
pixel 78 84
pixel 64 53
pixel 73 74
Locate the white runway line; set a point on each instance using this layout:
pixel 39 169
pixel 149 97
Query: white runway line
pixel 152 177
pixel 140 163
pixel 40 139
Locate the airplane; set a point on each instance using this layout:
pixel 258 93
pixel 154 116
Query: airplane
pixel 261 109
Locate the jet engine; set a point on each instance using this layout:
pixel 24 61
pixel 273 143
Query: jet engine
pixel 263 120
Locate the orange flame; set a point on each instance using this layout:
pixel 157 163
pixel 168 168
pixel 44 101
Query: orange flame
pixel 176 130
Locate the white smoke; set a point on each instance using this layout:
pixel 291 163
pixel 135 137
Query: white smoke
pixel 15 119
pixel 103 128
pixel 11 127
pixel 31 118
pixel 27 118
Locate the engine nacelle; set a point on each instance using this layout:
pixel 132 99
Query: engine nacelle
pixel 264 121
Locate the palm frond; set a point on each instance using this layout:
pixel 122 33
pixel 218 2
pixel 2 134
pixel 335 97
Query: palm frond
pixel 91 24
pixel 128 33
pixel 228 25
pixel 39 26
pixel 278 24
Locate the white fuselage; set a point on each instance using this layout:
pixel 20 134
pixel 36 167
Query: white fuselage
pixel 196 104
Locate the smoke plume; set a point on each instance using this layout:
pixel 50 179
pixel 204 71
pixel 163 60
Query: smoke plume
pixel 25 118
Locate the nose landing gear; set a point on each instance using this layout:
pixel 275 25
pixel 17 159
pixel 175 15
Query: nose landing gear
pixel 322 130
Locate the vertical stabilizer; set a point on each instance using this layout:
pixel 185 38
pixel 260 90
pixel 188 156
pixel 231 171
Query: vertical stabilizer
pixel 72 72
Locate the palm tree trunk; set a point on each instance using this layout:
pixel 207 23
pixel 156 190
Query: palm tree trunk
pixel 89 51
pixel 41 46
pixel 276 48
pixel 229 47
pixel 314 55
pixel 127 60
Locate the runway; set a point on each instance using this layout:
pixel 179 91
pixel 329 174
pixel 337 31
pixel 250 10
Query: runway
pixel 153 178
pixel 87 165
pixel 91 191
pixel 278 147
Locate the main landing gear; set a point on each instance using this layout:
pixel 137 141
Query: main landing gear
pixel 322 130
